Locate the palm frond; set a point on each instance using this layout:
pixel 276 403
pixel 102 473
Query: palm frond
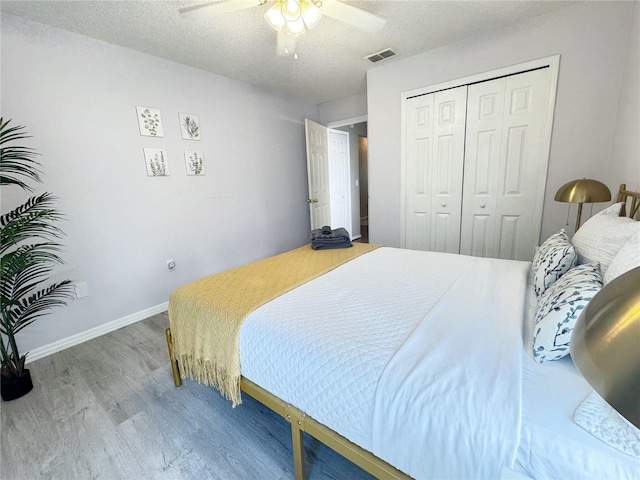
pixel 33 219
pixel 30 278
pixel 41 202
pixel 39 304
pixel 17 163
pixel 26 265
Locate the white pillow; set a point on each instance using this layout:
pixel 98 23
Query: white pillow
pixel 558 310
pixel 603 235
pixel 599 418
pixel 626 259
pixel 552 260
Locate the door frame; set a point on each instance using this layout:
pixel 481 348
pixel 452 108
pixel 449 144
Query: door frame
pixel 552 62
pixel 344 123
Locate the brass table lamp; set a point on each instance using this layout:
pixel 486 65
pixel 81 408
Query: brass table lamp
pixel 605 344
pixel 582 191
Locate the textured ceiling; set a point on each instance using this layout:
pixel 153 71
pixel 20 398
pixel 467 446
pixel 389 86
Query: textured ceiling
pixel 241 45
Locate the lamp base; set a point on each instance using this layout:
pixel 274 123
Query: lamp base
pixel 579 216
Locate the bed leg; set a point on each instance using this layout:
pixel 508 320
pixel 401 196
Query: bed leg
pixel 296 418
pixel 298 452
pixel 177 381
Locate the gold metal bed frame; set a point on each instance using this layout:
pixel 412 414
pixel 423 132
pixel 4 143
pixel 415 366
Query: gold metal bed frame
pixel 300 422
pixel 623 195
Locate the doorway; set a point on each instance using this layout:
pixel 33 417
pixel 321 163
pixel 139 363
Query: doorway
pixel 357 129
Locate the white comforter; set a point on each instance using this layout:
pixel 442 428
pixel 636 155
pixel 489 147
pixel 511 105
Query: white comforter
pixel 452 392
pixel 415 356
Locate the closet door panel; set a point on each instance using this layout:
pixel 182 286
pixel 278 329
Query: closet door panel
pixel 523 162
pixel 481 231
pixel 509 228
pixel 504 165
pixel 419 225
pixel 485 108
pixel 446 201
pixel 435 155
pixel 418 172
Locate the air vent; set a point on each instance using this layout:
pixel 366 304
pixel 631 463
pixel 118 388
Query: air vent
pixel 382 55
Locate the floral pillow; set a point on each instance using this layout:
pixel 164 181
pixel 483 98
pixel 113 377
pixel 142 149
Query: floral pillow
pixel 559 308
pixel 553 259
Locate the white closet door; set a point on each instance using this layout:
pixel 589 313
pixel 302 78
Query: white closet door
pixel 435 156
pixel 485 107
pixel 505 166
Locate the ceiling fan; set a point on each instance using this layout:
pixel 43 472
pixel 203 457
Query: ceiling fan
pixel 292 18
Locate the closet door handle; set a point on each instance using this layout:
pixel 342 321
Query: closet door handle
pixel 443 204
pixel 482 205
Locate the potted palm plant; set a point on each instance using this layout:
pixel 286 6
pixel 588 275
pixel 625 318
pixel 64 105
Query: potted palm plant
pixel 28 253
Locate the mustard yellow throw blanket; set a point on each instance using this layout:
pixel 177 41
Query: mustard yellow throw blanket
pixel 206 315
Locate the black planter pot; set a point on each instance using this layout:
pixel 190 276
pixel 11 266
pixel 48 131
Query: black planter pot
pixel 16 387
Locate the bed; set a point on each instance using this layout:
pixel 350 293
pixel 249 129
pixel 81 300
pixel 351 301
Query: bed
pixel 411 364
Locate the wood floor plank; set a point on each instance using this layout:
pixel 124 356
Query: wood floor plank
pixel 108 409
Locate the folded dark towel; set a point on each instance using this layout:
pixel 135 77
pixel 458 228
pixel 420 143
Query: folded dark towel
pixel 338 238
pixel 338 233
pixel 326 230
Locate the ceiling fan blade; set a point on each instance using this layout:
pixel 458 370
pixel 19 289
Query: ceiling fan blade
pixel 285 44
pixel 211 9
pixel 354 16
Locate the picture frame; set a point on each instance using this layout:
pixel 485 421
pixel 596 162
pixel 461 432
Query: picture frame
pixel 150 121
pixel 156 162
pixel 189 126
pixel 194 162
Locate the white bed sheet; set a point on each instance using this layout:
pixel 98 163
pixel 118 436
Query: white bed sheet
pixel 552 445
pixel 452 392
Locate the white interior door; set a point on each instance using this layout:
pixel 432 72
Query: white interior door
pixel 339 179
pixel 505 165
pixel 318 174
pixel 434 167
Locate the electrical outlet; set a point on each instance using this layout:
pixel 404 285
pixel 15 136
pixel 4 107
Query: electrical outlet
pixel 171 265
pixel 81 289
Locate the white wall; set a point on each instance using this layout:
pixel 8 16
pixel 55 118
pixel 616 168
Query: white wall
pixel 77 97
pixel 626 146
pixel 342 109
pixel 593 39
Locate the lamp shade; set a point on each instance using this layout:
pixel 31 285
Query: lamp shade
pixel 584 190
pixel 605 344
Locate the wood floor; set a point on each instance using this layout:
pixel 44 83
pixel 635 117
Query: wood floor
pixel 107 409
pixel 364 234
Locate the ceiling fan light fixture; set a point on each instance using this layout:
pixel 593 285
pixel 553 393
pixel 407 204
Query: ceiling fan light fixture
pixel 296 15
pixel 290 10
pixel 274 17
pixel 296 27
pixel 311 14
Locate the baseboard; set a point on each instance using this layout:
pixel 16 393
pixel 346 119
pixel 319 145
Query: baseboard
pixel 92 333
